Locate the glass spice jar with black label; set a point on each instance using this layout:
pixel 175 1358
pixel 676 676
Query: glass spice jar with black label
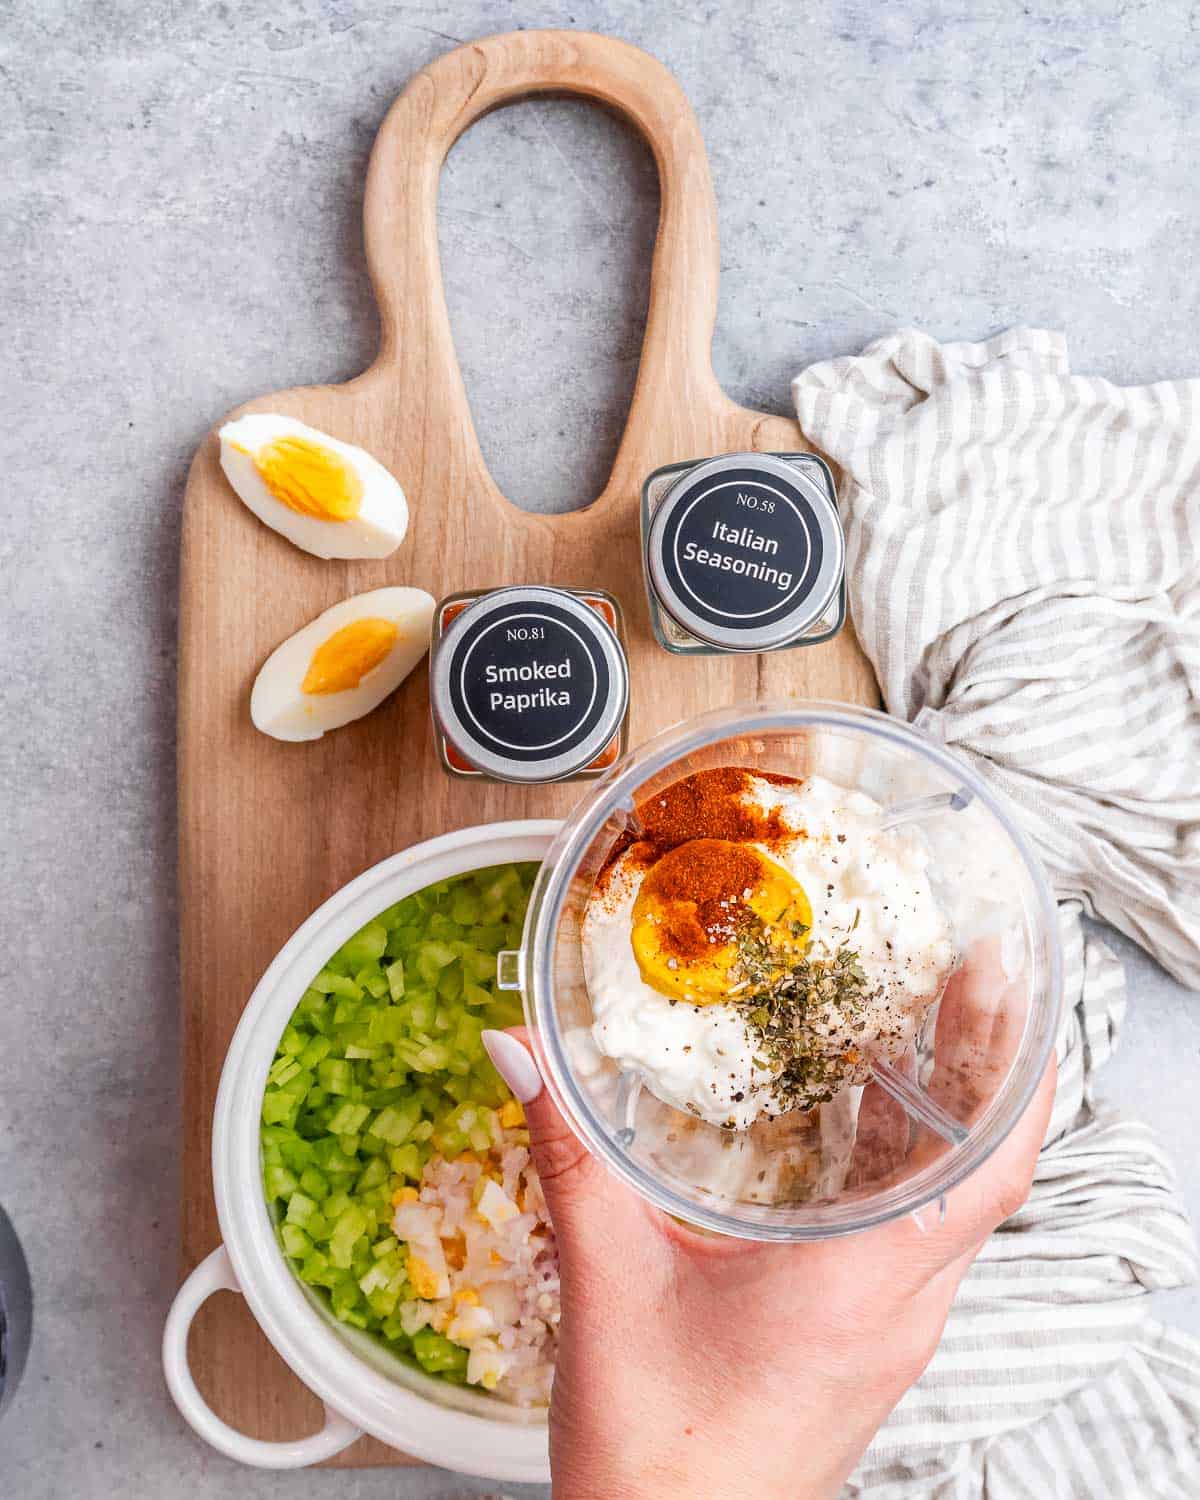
pixel 743 552
pixel 529 683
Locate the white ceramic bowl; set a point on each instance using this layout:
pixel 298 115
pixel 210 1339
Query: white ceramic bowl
pixel 363 1389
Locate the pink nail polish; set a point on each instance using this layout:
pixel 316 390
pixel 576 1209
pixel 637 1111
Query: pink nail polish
pixel 514 1064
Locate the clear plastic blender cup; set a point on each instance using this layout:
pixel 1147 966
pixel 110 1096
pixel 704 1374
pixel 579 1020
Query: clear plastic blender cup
pixel 915 1130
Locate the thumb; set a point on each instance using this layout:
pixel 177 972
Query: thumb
pixel 565 1168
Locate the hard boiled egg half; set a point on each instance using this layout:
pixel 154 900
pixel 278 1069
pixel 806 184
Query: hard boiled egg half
pixel 342 665
pixel 691 906
pixel 328 497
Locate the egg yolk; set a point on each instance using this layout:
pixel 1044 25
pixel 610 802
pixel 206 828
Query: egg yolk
pixel 691 906
pixel 341 662
pixel 310 479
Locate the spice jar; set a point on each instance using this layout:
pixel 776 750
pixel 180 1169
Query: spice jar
pixel 743 552
pixel 529 683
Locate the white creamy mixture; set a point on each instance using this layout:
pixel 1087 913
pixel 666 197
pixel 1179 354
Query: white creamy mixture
pixel 868 890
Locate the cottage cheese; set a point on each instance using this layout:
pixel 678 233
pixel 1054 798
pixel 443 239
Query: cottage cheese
pixel 868 888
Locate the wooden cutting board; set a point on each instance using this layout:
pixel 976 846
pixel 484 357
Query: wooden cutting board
pixel 268 830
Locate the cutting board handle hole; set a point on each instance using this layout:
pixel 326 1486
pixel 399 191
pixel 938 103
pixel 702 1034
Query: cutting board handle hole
pixel 418 355
pixel 546 221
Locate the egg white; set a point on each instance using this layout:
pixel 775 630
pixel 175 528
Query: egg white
pixel 867 888
pixel 278 705
pixel 382 519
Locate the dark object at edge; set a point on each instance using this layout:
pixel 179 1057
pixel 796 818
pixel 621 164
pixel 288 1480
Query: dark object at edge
pixel 16 1312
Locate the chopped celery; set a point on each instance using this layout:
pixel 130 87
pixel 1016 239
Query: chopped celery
pixel 376 1172
pixel 422 1010
pixel 393 1331
pixel 315 1051
pixel 279 1182
pixel 291 1042
pixel 300 1209
pixel 436 1354
pixel 343 1295
pixel 387 1025
pixel 434 1056
pixel 295 1241
pixel 450 983
pixel 315 1269
pixel 480 964
pixel 314 1184
pixel 331 1158
pixel 377 1098
pixel 382 1302
pixel 465 906
pixel 432 958
pixel 380 1067
pixel 375 1279
pixel 335 1076
pixel 365 947
pixel 450 1142
pixel 336 984
pixel 346 1232
pixel 280 1108
pixel 475 994
pixel 336 1205
pixel 299 1083
pixel 284 1068
pixel 406 1161
pixel 395 1123
pixel 347 1118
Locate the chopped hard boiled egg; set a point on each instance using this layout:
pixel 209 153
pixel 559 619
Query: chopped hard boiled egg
pixel 487 1364
pixel 326 496
pixel 469 1323
pixel 495 1207
pixel 427 1281
pixel 343 664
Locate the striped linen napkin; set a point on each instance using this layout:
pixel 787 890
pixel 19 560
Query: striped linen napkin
pixel 1023 560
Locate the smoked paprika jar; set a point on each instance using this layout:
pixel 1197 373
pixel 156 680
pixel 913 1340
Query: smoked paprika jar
pixel 529 683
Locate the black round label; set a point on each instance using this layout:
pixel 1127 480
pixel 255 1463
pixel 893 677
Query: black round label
pixel 741 549
pixel 529 681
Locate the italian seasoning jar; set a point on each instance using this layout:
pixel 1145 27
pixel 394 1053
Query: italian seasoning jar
pixel 529 683
pixel 743 552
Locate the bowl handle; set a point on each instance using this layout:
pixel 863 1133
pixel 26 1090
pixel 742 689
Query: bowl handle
pixel 215 1274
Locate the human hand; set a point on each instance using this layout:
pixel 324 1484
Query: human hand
pixel 697 1365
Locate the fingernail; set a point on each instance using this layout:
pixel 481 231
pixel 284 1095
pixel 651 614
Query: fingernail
pixel 513 1063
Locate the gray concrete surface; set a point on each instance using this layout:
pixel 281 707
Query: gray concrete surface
pixel 181 189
